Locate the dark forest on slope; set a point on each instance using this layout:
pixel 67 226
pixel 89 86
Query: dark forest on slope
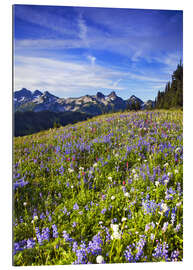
pixel 26 123
pixel 172 97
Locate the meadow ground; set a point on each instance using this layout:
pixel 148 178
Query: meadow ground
pixel 108 190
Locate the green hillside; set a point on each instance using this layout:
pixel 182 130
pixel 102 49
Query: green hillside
pixel 106 190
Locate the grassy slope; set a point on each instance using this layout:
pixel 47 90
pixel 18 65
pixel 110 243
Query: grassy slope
pixel 115 166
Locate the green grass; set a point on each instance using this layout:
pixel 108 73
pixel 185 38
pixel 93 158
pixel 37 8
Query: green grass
pixel 124 169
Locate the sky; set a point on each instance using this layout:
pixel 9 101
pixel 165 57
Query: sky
pixel 74 51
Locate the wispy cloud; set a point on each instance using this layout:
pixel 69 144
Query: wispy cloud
pixel 61 78
pixel 72 49
pixel 92 59
pixel 116 83
pixel 83 30
pixel 45 18
pixel 145 78
pixel 35 44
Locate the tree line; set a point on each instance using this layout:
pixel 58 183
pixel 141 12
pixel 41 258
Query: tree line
pixel 172 96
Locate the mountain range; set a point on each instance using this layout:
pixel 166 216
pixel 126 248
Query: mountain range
pixel 26 100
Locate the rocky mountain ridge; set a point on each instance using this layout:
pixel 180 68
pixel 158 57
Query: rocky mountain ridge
pixel 26 100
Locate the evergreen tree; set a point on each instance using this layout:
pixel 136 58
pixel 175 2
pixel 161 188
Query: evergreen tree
pixel 172 96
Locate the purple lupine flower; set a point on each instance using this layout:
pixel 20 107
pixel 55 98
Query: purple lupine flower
pixel 74 224
pixel 30 243
pixel 91 203
pixel 86 207
pixel 161 251
pixel 66 236
pixel 42 216
pixel 177 227
pixel 149 206
pixel 75 207
pixel 19 246
pixel 20 183
pixel 108 235
pixel 55 231
pixel 81 256
pixel 128 254
pixel 46 234
pixel 114 220
pixel 174 255
pixel 173 216
pixel 39 236
pixel 64 210
pixel 95 246
pixel 74 246
pixel 103 211
pixel 139 247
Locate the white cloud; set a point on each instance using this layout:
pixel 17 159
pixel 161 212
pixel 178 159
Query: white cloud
pixel 83 30
pixel 92 59
pixel 116 83
pixel 145 78
pixel 61 77
pixel 69 77
pixel 48 44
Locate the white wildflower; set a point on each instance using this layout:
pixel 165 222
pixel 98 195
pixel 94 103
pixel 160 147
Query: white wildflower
pixel 110 178
pixel 116 235
pixel 126 194
pixel 112 198
pixel 99 259
pixel 95 164
pixel 123 219
pixel 164 207
pixel 115 227
pixel 176 171
pixel 133 171
pixel 70 170
pixel 157 183
pixel 165 226
pixel 166 165
pixel 178 204
pixel 35 218
pixel 25 203
pixel 166 181
pixel 177 149
pixel 152 236
pixel 136 176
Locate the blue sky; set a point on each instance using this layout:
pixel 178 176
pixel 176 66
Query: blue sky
pixel 73 51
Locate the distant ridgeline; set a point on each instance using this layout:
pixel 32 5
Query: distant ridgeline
pixel 36 111
pixel 172 97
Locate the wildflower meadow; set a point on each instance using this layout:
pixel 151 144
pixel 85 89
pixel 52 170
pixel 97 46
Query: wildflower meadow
pixel 106 190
